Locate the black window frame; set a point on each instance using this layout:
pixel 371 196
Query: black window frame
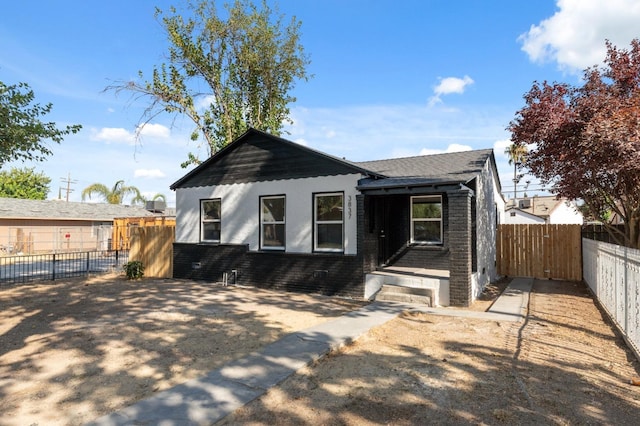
pixel 316 223
pixel 203 220
pixel 413 220
pixel 282 222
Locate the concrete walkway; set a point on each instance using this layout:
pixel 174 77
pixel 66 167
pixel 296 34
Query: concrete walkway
pixel 208 399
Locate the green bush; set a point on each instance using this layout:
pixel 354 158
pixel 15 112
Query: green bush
pixel 134 269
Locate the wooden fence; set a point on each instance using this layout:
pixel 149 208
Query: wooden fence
pixel 540 251
pixel 122 228
pixel 153 246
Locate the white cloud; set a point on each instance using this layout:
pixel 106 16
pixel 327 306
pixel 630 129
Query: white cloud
pixel 154 131
pixel 449 85
pixel 500 146
pixel 452 85
pixel 112 134
pixel 204 102
pixel 574 37
pixel 454 147
pixel 148 173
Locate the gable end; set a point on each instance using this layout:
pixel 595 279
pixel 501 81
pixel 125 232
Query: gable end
pixel 257 156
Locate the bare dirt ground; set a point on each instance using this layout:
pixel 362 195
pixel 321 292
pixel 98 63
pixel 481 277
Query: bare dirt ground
pixel 72 351
pixel 564 365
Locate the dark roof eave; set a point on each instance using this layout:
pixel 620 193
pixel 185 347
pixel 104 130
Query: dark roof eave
pixel 416 184
pixel 413 188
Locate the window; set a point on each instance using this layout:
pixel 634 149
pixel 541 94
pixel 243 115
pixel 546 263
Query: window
pixel 426 219
pixel 210 215
pixel 272 222
pixel 328 222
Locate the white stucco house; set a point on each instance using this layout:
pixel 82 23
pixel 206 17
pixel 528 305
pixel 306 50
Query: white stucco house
pixel 543 210
pixel 270 213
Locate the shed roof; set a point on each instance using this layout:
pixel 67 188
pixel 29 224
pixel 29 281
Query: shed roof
pixel 14 208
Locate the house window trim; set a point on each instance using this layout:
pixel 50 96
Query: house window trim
pixel 315 222
pixel 261 223
pixel 203 221
pixel 412 220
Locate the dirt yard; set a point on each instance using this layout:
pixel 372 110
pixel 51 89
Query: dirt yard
pixel 72 351
pixel 563 366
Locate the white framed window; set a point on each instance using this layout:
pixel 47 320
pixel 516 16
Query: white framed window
pixel 426 219
pixel 328 222
pixel 210 216
pixel 272 222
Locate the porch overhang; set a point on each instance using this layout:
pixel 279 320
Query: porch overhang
pixel 392 186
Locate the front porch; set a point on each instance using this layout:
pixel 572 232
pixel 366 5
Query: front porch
pixel 419 245
pixel 410 284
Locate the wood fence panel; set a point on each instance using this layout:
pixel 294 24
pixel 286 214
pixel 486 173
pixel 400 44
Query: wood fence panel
pixel 123 228
pixel 540 251
pixel 153 246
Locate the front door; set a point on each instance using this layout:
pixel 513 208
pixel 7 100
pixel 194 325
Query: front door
pixel 382 225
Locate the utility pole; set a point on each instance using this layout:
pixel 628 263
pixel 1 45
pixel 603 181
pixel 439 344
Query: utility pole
pixel 68 181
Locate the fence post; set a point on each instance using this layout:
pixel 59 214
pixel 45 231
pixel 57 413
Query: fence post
pixel 87 263
pixel 53 268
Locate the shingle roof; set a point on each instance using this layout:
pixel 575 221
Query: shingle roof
pixel 541 206
pixel 260 156
pixel 13 208
pixel 455 167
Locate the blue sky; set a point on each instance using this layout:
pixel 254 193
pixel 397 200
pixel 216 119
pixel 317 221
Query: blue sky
pixel 391 78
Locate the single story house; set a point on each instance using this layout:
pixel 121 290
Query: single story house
pixel 543 210
pixel 48 226
pixel 268 212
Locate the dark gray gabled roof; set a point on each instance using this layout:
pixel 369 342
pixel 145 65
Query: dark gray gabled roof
pixel 258 156
pixel 436 169
pixel 13 208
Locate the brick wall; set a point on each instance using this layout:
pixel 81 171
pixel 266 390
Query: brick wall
pixel 424 257
pixel 203 262
pixel 328 274
pixel 460 248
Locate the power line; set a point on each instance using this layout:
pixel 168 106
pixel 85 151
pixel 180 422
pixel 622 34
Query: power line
pixel 68 181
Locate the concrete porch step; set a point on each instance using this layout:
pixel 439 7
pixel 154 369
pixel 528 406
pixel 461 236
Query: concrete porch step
pixel 395 293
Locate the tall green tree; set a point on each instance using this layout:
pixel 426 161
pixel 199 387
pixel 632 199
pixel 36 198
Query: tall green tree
pixel 225 71
pixel 23 133
pixel 116 195
pixel 584 140
pixel 24 183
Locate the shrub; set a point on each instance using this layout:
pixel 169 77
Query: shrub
pixel 134 269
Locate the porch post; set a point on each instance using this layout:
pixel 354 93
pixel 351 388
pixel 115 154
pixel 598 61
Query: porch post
pixel 460 248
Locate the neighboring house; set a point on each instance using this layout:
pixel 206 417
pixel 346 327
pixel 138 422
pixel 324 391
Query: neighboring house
pixel 541 210
pixel 45 226
pixel 268 212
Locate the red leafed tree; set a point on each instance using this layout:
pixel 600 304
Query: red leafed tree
pixel 584 141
